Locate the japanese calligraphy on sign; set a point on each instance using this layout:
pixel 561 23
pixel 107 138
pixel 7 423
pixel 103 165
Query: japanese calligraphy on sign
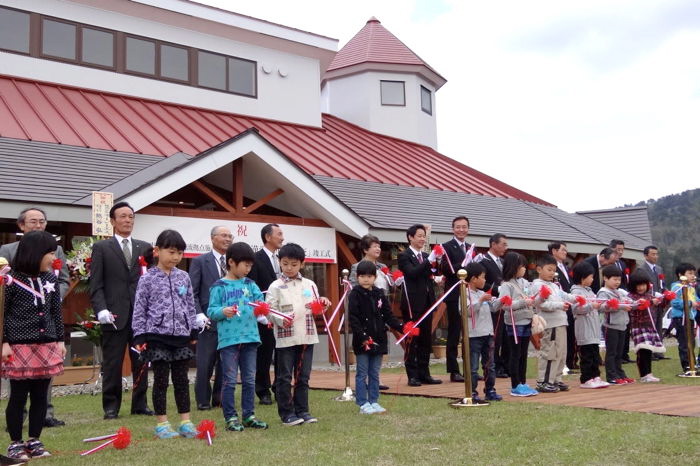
pixel 101 203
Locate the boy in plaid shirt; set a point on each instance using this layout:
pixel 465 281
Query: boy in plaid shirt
pixel 293 294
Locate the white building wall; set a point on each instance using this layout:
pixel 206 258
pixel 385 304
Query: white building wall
pixel 357 98
pixel 293 97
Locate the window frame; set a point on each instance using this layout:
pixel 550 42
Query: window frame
pixel 36 34
pixel 381 93
pixel 30 38
pixel 430 95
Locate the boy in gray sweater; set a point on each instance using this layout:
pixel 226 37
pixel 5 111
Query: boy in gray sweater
pixel 616 306
pixel 551 303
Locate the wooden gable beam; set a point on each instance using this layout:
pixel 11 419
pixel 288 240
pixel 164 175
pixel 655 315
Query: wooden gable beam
pixel 218 200
pixel 237 167
pixel 261 202
pixel 344 249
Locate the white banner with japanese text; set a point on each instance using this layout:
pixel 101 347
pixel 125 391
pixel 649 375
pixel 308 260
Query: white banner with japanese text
pixel 318 242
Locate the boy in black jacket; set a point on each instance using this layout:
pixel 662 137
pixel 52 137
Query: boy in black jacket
pixel 370 313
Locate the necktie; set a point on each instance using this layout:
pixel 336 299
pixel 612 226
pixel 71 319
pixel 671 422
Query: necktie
pixel 276 265
pixel 420 258
pixel 127 251
pixel 222 266
pixel 653 268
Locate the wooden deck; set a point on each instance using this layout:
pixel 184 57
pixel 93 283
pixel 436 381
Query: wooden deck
pixel 670 400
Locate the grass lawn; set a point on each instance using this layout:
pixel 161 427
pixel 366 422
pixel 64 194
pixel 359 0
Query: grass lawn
pixel 414 430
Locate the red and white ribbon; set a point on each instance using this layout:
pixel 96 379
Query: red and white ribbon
pixel 430 309
pixel 99 447
pixel 347 286
pixel 255 304
pixel 470 255
pixel 10 280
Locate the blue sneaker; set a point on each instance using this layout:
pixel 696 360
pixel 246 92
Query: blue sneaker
pixel 531 390
pixel 187 429
pixel 366 409
pixel 165 430
pixel 520 390
pixel 377 408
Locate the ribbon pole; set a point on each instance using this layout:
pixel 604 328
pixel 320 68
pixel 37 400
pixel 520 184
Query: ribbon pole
pixel 99 447
pixel 347 394
pixel 346 285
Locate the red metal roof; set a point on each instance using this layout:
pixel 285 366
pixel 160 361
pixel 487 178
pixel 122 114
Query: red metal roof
pixel 375 44
pixel 61 114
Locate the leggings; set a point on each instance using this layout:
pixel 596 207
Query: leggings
pixel 644 362
pixel 37 390
pixel 181 385
pixel 517 364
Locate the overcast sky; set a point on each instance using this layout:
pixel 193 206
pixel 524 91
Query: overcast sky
pixel 586 104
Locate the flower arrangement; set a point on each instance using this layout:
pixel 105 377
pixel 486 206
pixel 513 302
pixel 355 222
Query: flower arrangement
pixel 78 261
pixel 92 329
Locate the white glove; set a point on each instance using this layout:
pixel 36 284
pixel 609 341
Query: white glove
pixel 105 317
pixel 438 279
pixel 432 257
pixel 399 281
pixel 201 320
pixel 262 320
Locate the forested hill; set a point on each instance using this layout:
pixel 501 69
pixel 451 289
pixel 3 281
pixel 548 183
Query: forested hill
pixel 675 228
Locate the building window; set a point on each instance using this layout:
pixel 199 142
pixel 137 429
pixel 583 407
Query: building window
pixel 58 39
pixel 14 30
pixel 393 93
pixel 242 76
pixel 140 56
pixel 97 47
pixel 426 100
pixel 211 70
pixel 174 63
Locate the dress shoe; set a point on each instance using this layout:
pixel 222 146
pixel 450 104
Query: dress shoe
pixel 265 400
pixel 143 412
pixel 203 407
pixel 110 415
pixel 431 381
pixel 384 387
pixel 456 377
pixel 53 422
pixel 414 383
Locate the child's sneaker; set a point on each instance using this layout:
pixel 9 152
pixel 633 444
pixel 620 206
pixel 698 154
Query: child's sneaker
pixel 233 424
pixel 366 409
pixel 254 423
pixel 187 429
pixel 165 430
pixel 292 420
pixel 628 380
pixel 562 386
pixel 308 418
pixel 601 383
pixel 493 396
pixel 532 391
pixel 520 390
pixel 17 451
pixel 546 387
pixel 649 378
pixel 590 384
pixel 378 409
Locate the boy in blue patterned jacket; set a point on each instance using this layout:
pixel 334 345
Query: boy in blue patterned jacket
pixel 230 307
pixel 164 324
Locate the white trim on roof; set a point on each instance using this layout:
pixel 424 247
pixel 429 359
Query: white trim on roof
pixel 297 183
pixel 249 23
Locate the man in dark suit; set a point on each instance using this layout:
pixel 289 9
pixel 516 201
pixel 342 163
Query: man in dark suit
pixel 655 272
pixel 455 252
pixel 618 246
pixel 266 269
pixel 114 274
pixel 418 283
pixel 204 271
pixel 605 257
pixel 560 252
pixel 34 219
pixel 493 263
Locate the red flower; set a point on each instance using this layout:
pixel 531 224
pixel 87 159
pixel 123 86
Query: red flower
pixel 317 307
pixel 506 300
pixel 57 264
pixel 669 295
pixel 627 271
pixel 89 325
pixel 142 261
pixel 438 250
pixel 411 329
pixel 123 438
pixel 613 303
pixel 88 260
pixel 662 276
pixel 643 305
pixel 580 300
pixel 206 425
pixel 396 274
pixel 261 308
pixel 545 292
pixel 385 270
